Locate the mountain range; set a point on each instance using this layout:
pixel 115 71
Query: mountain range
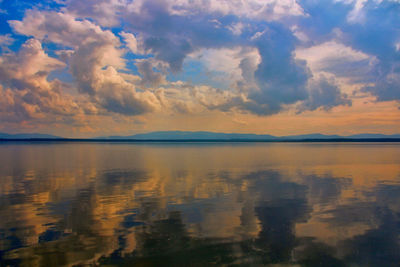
pixel 28 136
pixel 181 135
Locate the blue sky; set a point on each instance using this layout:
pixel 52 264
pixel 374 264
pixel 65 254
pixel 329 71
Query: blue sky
pixel 269 66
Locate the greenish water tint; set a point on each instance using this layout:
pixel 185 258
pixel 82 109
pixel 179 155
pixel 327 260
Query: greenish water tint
pixel 314 204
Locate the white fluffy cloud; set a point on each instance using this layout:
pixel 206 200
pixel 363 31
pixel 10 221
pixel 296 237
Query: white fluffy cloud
pixel 131 41
pixel 26 92
pixel 61 28
pixel 336 58
pixel 95 61
pixel 232 65
pixel 30 61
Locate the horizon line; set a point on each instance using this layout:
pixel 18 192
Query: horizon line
pixel 129 137
pixel 237 140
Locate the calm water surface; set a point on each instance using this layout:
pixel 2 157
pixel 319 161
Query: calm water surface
pixel 200 204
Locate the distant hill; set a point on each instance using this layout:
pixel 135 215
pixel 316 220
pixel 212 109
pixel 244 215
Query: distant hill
pixel 311 136
pixel 178 135
pixel 201 136
pixel 28 136
pixel 181 135
pixel 375 136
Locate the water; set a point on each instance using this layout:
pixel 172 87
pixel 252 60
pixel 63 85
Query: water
pixel 315 204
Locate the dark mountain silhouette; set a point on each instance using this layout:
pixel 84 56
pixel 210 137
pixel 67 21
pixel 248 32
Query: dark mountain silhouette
pixel 28 136
pixel 201 136
pixel 181 135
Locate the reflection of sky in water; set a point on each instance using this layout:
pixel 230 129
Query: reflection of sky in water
pixel 312 204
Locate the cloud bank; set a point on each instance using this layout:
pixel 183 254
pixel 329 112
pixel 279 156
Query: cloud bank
pixel 75 60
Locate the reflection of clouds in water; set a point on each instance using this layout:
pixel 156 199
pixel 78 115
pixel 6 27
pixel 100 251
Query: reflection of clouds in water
pixel 378 243
pixel 156 211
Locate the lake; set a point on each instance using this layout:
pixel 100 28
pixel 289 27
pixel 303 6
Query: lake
pixel 190 204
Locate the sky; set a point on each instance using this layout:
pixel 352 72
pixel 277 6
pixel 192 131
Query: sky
pixel 118 67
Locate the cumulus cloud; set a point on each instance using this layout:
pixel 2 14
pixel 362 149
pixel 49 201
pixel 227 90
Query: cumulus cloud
pixel 95 62
pixel 171 37
pixel 324 93
pixel 106 12
pixel 171 34
pixel 378 35
pixel 171 30
pixel 61 28
pixel 280 76
pixel 150 77
pixel 131 41
pixel 234 67
pixel 268 75
pixel 26 93
pixel 92 66
pixel 31 61
pixel 338 59
pixel 265 55
pixel 266 10
pixel 387 86
pixel 185 98
pixel 117 95
pixel 368 27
